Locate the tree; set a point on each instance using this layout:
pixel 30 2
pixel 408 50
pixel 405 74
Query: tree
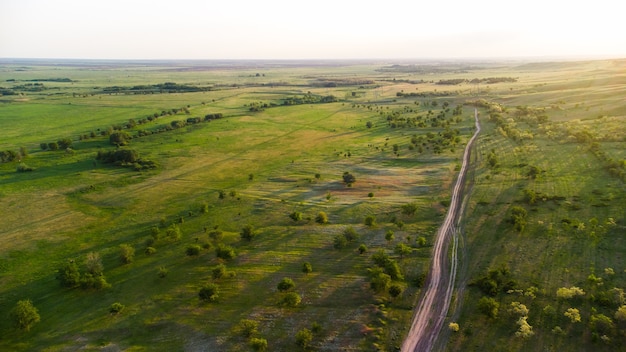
pixel 304 338
pixel 24 315
pixel 573 314
pixel 370 220
pixel 69 275
pixel 247 233
pixel 348 178
pixel 193 250
pixel 173 232
pixel 116 308
pixel 362 248
pixel 409 208
pixel 292 299
pixel 350 234
pixel 395 290
pixel 286 284
pixel 247 327
pixel 340 241
pixel 369 124
pixel 296 216
pixel 225 252
pixel 525 330
pixel 258 344
pixel 64 143
pixel 620 315
pixel 567 293
pixel 127 253
pixel 488 306
pixel 402 250
pixel 321 218
pixel 380 281
pixel 93 263
pixel 518 217
pixel 120 138
pixel 389 236
pixel 307 268
pixel 209 293
pixel 53 146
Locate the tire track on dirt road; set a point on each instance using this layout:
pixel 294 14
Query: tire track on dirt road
pixel 435 301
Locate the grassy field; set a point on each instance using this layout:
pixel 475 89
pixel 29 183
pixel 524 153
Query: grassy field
pixel 283 159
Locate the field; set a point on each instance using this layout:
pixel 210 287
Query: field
pixel 269 149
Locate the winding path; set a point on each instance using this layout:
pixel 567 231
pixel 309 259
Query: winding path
pixel 433 306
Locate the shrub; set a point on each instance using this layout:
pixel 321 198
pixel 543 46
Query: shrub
pixel 488 306
pixel 173 232
pixel 193 250
pixel 286 284
pixel 340 241
pixel 162 272
pixel 395 290
pixel 216 235
pixel 409 208
pixel 24 168
pixel 350 234
pixel 362 248
pixel 150 250
pixel 219 272
pixel 525 330
pixel 127 253
pixel 304 338
pixel 247 233
pixel 116 308
pixel 453 327
pixel 24 315
pixel 209 293
pixel 246 327
pixel 348 178
pixel 567 293
pixel 321 218
pixel 370 220
pixel 296 216
pixel 69 275
pixel 225 252
pixel 258 344
pixel 307 268
pixel 573 314
pixel 292 299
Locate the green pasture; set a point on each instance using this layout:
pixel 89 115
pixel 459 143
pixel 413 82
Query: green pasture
pixel 284 159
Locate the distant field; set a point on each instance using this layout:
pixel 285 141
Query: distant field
pixel 393 127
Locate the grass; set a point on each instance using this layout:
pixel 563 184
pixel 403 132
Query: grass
pixel 69 207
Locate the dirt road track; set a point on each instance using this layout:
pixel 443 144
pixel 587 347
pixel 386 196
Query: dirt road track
pixel 435 301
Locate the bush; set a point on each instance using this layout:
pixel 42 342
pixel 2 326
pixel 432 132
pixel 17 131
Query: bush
pixel 321 218
pixel 247 233
pixel 395 290
pixel 292 299
pixel 209 293
pixel 488 306
pixel 286 284
pixel 304 338
pixel 150 250
pixel 24 315
pixel 193 250
pixel 453 327
pixel 258 344
pixel 162 272
pixel 173 233
pixel 220 271
pixel 116 308
pixel 69 275
pixel 225 252
pixel 24 168
pixel 120 138
pixel 296 216
pixel 348 178
pixel 340 241
pixel 246 327
pixel 127 253
pixel 362 248
pixel 307 268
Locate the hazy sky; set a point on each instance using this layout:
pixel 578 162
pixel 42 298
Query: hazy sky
pixel 310 29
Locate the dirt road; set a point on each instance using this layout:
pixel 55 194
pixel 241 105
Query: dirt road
pixel 435 301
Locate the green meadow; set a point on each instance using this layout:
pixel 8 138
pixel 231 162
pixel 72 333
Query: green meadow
pixel 277 157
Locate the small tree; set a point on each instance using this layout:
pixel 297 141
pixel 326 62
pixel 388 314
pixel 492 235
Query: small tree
pixel 307 268
pixel 116 308
pixel 127 253
pixel 24 315
pixel 395 290
pixel 348 178
pixel 286 284
pixel 193 250
pixel 488 306
pixel 258 344
pixel 402 250
pixel 370 220
pixel 209 293
pixel 292 299
pixel 304 338
pixel 296 216
pixel 321 218
pixel 247 233
pixel 69 275
pixel 247 327
pixel 362 248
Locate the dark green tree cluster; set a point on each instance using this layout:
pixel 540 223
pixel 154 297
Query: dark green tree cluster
pixel 91 277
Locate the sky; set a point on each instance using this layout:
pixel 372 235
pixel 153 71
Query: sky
pixel 310 29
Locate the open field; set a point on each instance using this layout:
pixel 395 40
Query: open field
pixel 258 167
